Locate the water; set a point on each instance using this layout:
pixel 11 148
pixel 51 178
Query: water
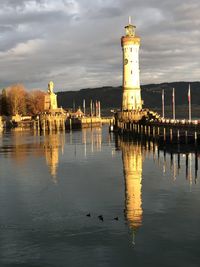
pixel 49 183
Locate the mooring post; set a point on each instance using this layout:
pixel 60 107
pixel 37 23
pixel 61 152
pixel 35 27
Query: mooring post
pixel 44 125
pixel 153 132
pixel 178 135
pixel 164 134
pixel 171 135
pixel 38 125
pixel 70 124
pixel 140 128
pixel 158 131
pixel 50 126
pixel 54 125
pixel 195 137
pixel 58 124
pixel 186 137
pixel 34 125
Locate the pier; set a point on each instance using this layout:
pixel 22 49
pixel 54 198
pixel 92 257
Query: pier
pixel 150 125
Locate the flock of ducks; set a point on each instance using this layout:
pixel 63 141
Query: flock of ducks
pixel 100 217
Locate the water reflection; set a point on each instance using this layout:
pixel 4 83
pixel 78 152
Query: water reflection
pixel 19 145
pixel 38 217
pixel 92 139
pixel 170 159
pixel 53 143
pixel 132 165
pixel 179 159
pixel 173 158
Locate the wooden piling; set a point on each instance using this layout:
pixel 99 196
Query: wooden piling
pixel 195 137
pixel 178 136
pixel 164 134
pixel 171 135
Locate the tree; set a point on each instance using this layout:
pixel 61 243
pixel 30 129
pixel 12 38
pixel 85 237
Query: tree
pixel 35 102
pixel 17 99
pixel 4 103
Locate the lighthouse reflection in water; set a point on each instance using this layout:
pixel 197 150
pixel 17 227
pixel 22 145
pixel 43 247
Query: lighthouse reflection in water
pixel 172 162
pixel 132 164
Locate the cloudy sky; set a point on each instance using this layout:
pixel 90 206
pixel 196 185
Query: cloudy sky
pixel 76 43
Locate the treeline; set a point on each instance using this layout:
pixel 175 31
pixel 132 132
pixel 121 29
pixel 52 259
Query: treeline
pixel 111 97
pixel 17 100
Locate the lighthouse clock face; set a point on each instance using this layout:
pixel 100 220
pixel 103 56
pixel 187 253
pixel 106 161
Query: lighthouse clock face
pixel 125 61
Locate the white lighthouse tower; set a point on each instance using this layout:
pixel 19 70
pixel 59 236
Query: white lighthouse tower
pixel 131 99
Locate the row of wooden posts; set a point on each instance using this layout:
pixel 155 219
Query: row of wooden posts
pixel 50 123
pixel 167 133
pixel 59 122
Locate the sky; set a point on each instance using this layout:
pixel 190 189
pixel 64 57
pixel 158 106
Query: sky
pixel 76 43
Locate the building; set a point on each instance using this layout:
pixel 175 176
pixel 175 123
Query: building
pixel 131 98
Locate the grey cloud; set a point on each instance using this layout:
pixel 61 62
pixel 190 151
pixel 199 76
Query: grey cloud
pixel 107 12
pixel 79 45
pixel 18 3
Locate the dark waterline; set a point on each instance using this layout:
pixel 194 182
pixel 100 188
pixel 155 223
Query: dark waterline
pixel 149 202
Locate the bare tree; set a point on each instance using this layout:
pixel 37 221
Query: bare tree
pixel 35 102
pixel 4 103
pixel 17 99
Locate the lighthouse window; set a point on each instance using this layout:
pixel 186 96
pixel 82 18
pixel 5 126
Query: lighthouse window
pixel 131 72
pixel 131 49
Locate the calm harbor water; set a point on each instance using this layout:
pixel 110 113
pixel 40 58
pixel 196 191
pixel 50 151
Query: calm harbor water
pixel 48 184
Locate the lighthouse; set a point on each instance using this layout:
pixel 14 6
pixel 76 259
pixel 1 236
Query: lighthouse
pixel 131 98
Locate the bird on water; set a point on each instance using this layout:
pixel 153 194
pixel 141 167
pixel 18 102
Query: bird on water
pixel 100 218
